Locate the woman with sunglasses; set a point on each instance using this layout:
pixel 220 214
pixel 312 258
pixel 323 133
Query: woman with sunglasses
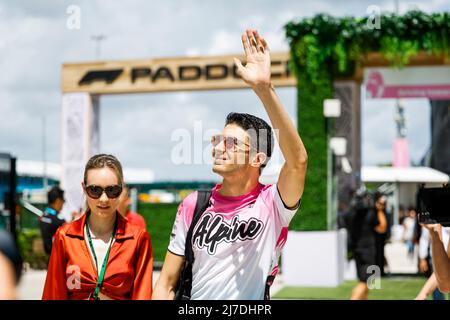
pixel 100 256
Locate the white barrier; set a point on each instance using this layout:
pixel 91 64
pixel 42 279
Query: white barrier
pixel 315 258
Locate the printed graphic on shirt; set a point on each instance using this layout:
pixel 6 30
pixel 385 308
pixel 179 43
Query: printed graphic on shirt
pixel 212 230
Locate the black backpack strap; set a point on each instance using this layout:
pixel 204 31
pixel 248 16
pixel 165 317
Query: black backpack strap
pixel 269 282
pixel 185 281
pixel 200 207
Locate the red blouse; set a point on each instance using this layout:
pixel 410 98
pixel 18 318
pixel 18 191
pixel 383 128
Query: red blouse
pixel 72 274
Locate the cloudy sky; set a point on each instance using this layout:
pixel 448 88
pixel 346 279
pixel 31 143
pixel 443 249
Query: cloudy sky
pixel 35 41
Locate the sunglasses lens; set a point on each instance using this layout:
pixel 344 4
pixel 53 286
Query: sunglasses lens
pixel 94 192
pixel 215 140
pixel 230 142
pixel 113 191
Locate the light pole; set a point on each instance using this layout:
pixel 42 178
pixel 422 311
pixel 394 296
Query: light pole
pixel 338 145
pixel 134 199
pixel 98 39
pixel 331 110
pixel 44 155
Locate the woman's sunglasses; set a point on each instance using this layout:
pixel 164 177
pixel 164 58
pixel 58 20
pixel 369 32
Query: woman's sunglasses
pixel 95 192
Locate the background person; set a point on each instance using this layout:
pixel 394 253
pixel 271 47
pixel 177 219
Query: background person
pixel 364 224
pixel 426 264
pixel 440 256
pixel 381 231
pixel 49 222
pixel 409 224
pixel 124 209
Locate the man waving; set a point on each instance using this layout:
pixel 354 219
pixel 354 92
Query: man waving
pixel 237 240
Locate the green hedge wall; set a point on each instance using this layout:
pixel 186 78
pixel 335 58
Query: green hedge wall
pixel 27 240
pixel 312 127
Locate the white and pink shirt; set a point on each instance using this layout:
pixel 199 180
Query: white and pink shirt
pixel 236 243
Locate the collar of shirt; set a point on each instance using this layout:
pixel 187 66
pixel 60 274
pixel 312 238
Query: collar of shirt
pixel 51 211
pixel 124 231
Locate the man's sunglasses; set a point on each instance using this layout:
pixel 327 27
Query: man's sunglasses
pixel 95 192
pixel 230 142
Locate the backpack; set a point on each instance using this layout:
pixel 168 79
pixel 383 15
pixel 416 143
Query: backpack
pixel 183 291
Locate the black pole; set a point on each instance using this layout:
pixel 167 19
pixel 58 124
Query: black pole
pixel 12 198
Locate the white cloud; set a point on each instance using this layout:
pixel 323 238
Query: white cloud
pixel 277 41
pixel 253 22
pixel 225 42
pixel 405 6
pixel 192 52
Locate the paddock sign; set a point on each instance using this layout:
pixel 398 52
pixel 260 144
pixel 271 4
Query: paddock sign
pixel 169 74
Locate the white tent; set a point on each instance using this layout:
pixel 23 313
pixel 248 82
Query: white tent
pixel 410 175
pixel 404 182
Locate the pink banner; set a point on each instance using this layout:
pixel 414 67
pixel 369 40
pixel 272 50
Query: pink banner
pixel 401 156
pixel 377 88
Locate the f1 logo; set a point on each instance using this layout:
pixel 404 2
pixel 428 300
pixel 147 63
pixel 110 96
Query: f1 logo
pixel 109 76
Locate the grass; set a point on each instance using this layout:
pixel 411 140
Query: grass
pixel 159 219
pixel 391 289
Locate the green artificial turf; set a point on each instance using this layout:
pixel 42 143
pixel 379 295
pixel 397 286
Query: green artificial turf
pixel 401 288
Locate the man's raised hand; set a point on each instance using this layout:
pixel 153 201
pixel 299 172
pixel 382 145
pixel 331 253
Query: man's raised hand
pixel 256 72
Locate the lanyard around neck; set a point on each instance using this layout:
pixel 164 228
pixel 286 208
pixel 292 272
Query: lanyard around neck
pixel 105 260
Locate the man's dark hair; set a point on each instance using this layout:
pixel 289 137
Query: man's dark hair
pixel 261 137
pixel 55 193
